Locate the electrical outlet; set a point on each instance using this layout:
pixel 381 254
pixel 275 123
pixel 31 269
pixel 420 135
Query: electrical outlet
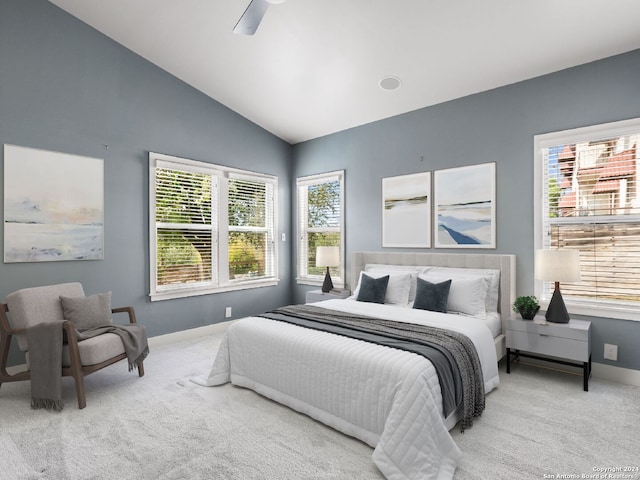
pixel 227 312
pixel 611 352
pixel 284 237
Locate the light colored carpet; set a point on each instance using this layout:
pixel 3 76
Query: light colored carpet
pixel 540 421
pixel 163 426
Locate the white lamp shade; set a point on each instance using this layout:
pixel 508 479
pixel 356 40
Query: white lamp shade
pixel 557 265
pixel 327 256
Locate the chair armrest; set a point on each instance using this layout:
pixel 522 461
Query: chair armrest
pixel 70 332
pixel 6 333
pixel 74 353
pixel 4 322
pixel 129 310
pixel 15 331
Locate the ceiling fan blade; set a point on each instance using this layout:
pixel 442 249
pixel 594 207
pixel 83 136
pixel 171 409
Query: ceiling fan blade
pixel 251 18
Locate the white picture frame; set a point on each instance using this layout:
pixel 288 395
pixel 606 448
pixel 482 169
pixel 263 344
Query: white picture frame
pixel 406 211
pixel 465 206
pixel 53 206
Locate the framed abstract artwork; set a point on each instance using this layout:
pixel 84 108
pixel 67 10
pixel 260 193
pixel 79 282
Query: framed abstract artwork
pixel 406 211
pixel 53 206
pixel 465 206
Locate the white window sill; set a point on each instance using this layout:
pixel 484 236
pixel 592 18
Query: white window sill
pixel 195 291
pixel 602 310
pixel 319 283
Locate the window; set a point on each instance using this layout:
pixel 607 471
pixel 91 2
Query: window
pixel 212 228
pixel 320 223
pixel 587 199
pixel 251 238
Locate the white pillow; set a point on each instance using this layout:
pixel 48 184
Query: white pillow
pixel 397 288
pixel 395 269
pixel 466 295
pixel 492 276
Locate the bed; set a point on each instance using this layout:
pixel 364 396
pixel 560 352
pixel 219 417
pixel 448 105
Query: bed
pixel 389 398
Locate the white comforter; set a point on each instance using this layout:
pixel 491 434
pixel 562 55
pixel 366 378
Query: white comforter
pixel 388 398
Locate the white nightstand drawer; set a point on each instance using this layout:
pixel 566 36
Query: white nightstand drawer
pixel 569 343
pixel 548 345
pixel 575 329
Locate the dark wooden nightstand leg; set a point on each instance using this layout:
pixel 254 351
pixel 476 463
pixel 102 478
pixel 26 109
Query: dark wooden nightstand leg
pixel 585 376
pixel 508 360
pixel 586 373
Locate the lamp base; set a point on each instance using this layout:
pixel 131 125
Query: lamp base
pixel 327 286
pixel 557 311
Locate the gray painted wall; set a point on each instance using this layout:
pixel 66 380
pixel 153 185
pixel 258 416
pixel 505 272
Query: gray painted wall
pixel 494 126
pixel 65 87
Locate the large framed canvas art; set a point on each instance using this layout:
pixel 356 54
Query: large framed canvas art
pixel 406 211
pixel 53 206
pixel 465 206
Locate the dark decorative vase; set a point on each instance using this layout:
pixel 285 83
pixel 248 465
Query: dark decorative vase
pixel 528 314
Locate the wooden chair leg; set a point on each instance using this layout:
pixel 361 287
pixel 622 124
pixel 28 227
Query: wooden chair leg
pixel 82 400
pixel 141 370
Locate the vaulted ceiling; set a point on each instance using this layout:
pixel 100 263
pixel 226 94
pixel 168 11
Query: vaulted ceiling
pixel 313 67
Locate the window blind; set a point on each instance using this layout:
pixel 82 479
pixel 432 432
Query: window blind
pixel 591 203
pixel 212 228
pixel 251 229
pixel 184 204
pixel 320 223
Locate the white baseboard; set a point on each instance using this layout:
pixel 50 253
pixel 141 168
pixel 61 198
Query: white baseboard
pixel 616 374
pixel 190 334
pixel 625 376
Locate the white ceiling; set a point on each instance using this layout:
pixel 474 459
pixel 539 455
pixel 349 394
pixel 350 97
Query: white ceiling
pixel 313 66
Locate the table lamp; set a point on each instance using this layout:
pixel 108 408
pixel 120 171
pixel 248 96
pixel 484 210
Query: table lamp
pixel 327 257
pixel 557 266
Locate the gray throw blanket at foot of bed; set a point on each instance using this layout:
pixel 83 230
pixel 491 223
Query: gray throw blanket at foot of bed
pixel 452 354
pixel 45 357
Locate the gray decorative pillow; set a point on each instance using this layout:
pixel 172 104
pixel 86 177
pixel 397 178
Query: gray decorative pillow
pixel 432 296
pixel 87 312
pixel 372 289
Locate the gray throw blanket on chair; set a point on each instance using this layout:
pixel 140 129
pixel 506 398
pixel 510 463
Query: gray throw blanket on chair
pixel 45 364
pixel 45 357
pixel 133 336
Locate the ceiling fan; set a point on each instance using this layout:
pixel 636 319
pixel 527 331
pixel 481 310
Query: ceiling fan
pixel 252 16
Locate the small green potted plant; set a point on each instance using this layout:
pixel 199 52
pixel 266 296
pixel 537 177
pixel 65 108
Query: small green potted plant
pixel 527 306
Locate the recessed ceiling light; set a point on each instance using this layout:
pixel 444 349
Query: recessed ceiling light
pixel 389 83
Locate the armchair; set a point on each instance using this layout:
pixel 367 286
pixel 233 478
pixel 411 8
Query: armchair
pixel 31 306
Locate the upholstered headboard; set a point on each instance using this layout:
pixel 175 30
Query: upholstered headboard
pixel 505 263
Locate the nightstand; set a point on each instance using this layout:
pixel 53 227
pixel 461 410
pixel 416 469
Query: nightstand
pixel 568 343
pixel 318 295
